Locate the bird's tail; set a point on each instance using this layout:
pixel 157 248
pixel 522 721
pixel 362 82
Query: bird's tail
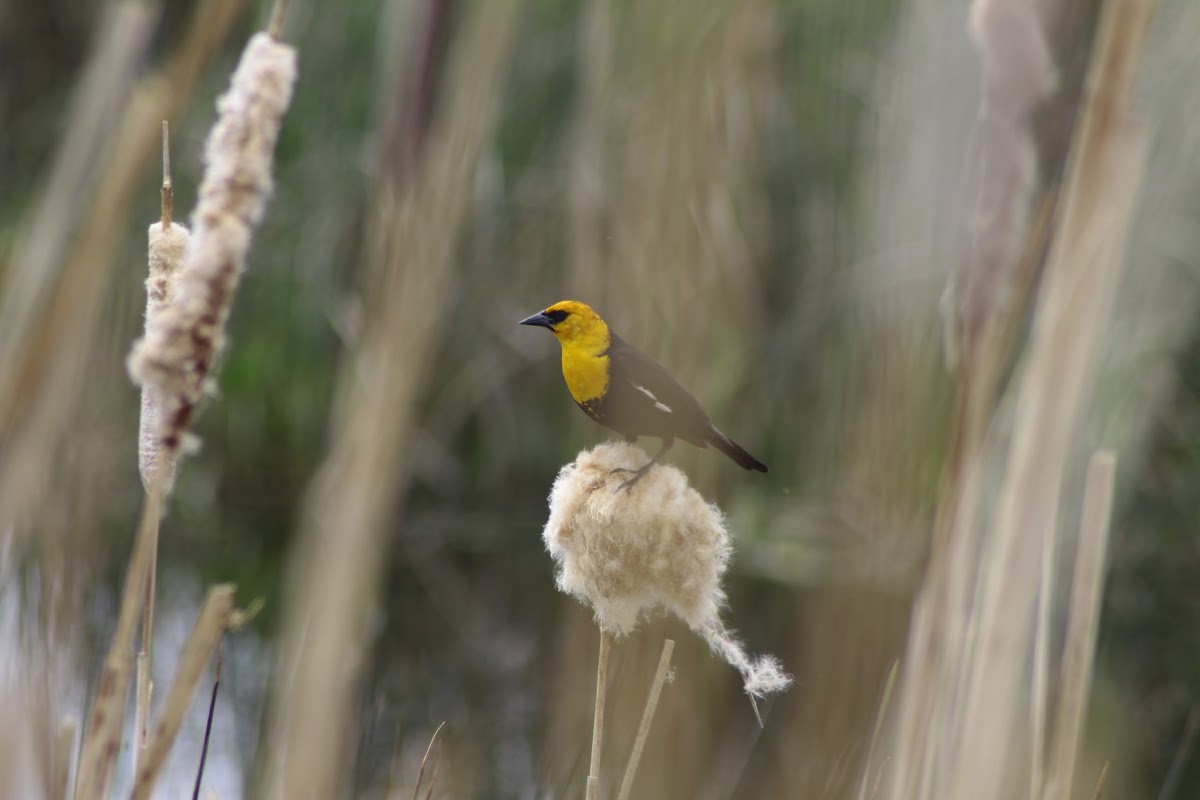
pixel 734 451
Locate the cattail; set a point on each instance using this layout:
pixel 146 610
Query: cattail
pixel 175 358
pixel 657 545
pixel 168 244
pixel 1002 177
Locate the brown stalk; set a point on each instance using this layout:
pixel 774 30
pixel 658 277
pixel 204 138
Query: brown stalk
pixel 278 12
pixel 424 761
pixel 334 579
pixel 168 189
pixel 1083 619
pixel 102 738
pixel 635 757
pixel 64 746
pixel 1099 792
pixel 1105 169
pixel 960 702
pixel 145 688
pixel 215 617
pixel 593 779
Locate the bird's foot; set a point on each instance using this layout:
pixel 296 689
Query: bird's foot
pixel 637 476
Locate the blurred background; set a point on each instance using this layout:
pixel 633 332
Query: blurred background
pixel 766 195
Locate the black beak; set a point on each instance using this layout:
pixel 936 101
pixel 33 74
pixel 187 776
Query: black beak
pixel 540 319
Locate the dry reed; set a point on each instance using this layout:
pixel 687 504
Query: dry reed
pixel 639 743
pixel 168 245
pixel 433 740
pixel 1083 618
pixel 103 733
pixel 64 746
pixel 336 565
pixel 964 708
pixel 593 778
pixel 216 615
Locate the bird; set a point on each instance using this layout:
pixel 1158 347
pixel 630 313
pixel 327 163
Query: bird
pixel 627 391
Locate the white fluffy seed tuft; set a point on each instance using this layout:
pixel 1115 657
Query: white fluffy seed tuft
pixel 658 545
pixel 176 355
pixel 167 247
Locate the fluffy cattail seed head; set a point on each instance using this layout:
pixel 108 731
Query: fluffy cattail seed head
pixel 658 545
pixel 176 355
pixel 167 248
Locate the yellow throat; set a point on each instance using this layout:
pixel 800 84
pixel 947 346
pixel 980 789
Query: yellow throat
pixel 586 372
pixel 585 338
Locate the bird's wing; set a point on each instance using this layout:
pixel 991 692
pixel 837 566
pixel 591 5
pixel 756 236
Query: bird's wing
pixel 645 397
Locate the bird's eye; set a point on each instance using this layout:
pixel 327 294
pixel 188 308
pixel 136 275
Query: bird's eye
pixel 556 316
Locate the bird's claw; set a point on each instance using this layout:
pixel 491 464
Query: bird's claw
pixel 627 485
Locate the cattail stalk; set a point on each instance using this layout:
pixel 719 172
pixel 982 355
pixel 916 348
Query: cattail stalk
pixel 103 737
pixel 168 245
pixel 433 740
pixel 880 715
pixel 593 780
pixel 1083 619
pixel 639 743
pixel 64 746
pixel 216 615
pixel 173 360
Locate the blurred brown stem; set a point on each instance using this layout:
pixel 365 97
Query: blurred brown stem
pixel 593 780
pixel 168 189
pixel 215 617
pixel 660 676
pixel 103 735
pixel 278 12
pixel 1087 586
pixel 425 761
pixel 145 686
pixel 409 246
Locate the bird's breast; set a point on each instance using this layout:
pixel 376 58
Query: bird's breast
pixel 586 376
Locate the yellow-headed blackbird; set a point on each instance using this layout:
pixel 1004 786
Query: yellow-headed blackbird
pixel 624 389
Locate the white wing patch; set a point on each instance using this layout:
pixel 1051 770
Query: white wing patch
pixel 661 406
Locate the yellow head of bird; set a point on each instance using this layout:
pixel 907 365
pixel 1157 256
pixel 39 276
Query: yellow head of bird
pixel 574 324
